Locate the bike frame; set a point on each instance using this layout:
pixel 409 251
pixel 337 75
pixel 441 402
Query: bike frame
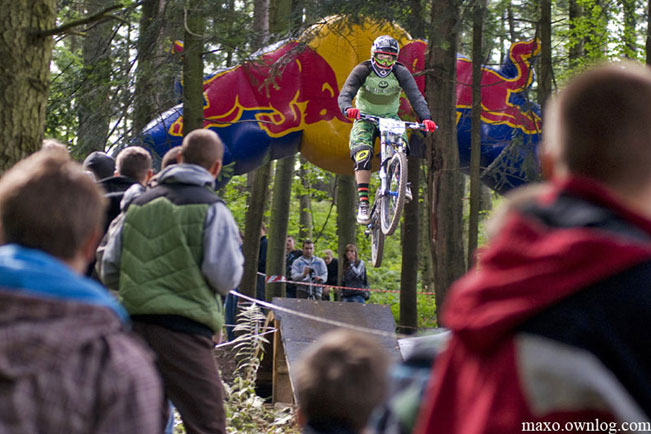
pixel 391 141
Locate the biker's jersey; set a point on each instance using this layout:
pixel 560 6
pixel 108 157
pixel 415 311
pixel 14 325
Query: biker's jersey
pixel 379 95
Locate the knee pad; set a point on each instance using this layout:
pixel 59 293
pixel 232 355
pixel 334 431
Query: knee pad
pixel 362 159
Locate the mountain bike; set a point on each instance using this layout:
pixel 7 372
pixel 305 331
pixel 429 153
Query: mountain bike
pixel 390 195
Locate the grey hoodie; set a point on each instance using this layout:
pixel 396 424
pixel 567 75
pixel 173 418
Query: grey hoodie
pixel 222 264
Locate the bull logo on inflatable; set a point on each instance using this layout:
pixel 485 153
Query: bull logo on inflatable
pixel 286 101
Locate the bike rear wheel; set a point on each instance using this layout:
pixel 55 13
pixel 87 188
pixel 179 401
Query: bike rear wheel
pixel 393 200
pixel 377 237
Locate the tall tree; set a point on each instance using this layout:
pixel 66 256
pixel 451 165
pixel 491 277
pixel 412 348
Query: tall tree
pixel 257 201
pixel 305 225
pixel 25 55
pixel 648 34
pixel 576 48
pixel 161 22
pixel 345 194
pixel 408 321
pixel 445 181
pixel 479 9
pixel 193 67
pixel 630 33
pixel 94 94
pixel 545 62
pixel 253 223
pixel 278 225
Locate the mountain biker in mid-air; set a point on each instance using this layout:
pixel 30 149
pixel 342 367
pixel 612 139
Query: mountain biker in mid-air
pixel 376 84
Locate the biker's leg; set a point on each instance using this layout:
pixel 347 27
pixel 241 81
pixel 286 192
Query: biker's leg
pixel 362 136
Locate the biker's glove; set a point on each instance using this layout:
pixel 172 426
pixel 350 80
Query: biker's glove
pixel 430 126
pixel 352 113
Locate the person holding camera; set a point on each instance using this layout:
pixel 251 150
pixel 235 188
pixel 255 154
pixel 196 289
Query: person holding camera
pixel 310 269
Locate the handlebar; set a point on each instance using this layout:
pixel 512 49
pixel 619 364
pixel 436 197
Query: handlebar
pixel 376 119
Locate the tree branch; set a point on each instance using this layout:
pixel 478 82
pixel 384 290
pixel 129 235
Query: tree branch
pixel 90 19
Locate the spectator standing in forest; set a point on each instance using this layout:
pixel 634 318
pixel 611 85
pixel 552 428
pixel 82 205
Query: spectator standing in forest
pixel 553 324
pixel 100 164
pixel 340 379
pixel 291 254
pixel 174 296
pixel 310 269
pixel 354 276
pixel 68 363
pixel 332 264
pixel 132 166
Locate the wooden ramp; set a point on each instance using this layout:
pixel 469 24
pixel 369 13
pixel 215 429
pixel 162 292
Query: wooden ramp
pixel 294 333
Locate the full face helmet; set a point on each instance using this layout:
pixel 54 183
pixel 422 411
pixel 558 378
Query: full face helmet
pixel 384 45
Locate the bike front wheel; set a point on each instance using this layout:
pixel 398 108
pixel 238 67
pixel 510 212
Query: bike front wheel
pixel 393 200
pixel 377 236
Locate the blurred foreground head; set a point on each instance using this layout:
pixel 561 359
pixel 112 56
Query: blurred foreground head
pixel 48 202
pixel 340 379
pixel 599 126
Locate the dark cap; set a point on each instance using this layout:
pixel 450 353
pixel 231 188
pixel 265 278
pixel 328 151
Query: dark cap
pixel 101 164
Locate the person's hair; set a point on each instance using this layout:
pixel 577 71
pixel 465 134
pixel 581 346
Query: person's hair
pixel 353 248
pixel 326 251
pixel 307 241
pixel 100 164
pixel 599 125
pixel 48 202
pixel 171 157
pixel 341 378
pixel 134 162
pixel 53 145
pixel 202 147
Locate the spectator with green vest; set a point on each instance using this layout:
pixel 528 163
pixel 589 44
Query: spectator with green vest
pixel 376 85
pixel 175 253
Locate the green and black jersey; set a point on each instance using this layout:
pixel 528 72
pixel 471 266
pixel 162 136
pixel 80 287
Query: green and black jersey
pixel 380 96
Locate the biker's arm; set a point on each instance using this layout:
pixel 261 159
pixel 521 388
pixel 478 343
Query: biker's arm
pixel 354 81
pixel 415 97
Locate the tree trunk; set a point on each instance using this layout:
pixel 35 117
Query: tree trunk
pixel 345 196
pixel 278 225
pixel 261 22
pixel 576 51
pixel 252 224
pixel 156 69
pixel 475 147
pixel 545 64
pixel 24 69
pixel 95 92
pixel 445 180
pixel 648 34
pixel 193 71
pixel 630 32
pixel 253 221
pixel 426 260
pixel 305 225
pixel 408 322
pixel 280 16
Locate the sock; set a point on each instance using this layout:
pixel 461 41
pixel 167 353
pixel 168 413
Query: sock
pixel 362 191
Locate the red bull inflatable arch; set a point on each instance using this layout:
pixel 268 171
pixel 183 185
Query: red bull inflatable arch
pixel 285 101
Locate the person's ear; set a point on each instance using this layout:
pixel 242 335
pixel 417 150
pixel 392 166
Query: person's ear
pixel 150 173
pixel 89 246
pixel 216 168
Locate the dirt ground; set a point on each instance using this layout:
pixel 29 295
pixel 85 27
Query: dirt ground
pixel 225 357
